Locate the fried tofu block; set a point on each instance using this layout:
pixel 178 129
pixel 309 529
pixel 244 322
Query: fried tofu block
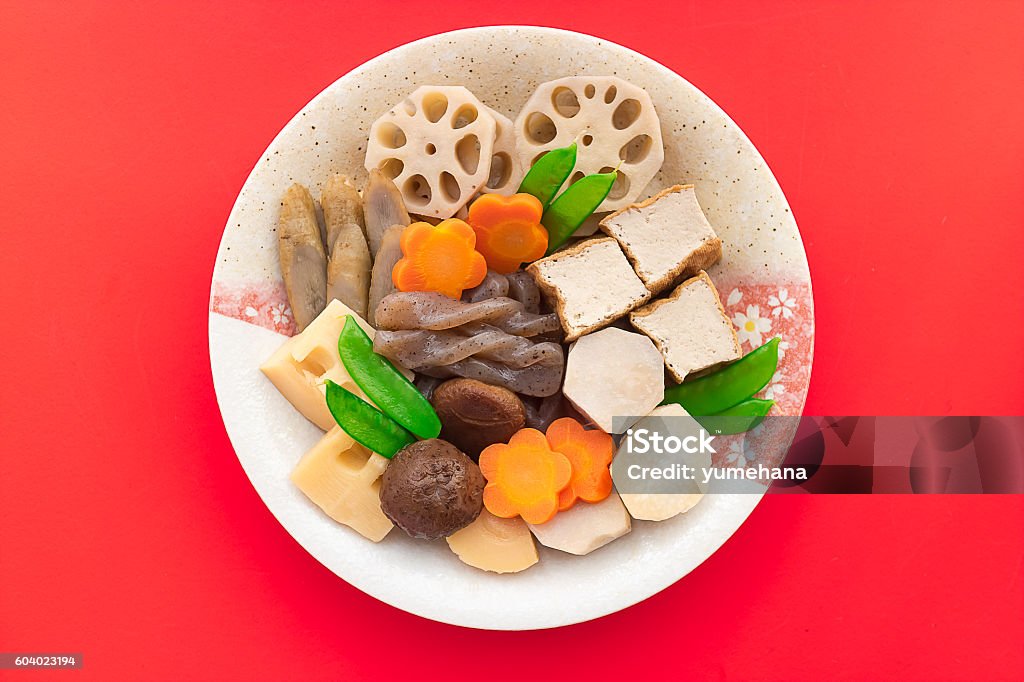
pixel 591 284
pixel 665 237
pixel 690 327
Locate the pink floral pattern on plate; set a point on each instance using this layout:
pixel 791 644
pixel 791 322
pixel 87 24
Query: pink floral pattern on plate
pixel 264 304
pixel 761 312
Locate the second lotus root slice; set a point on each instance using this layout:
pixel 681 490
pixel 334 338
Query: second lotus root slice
pixel 506 166
pixel 436 146
pixel 613 122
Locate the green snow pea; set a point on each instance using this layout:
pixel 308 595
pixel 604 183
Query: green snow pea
pixel 738 418
pixel 730 385
pixel 366 424
pixel 549 173
pixel 395 395
pixel 573 206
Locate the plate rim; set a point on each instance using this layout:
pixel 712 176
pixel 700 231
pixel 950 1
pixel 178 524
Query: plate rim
pixel 391 53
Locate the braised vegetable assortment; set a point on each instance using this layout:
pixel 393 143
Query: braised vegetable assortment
pixel 435 310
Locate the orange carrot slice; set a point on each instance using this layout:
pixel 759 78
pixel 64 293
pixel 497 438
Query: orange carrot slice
pixel 508 230
pixel 440 258
pixel 524 478
pixel 590 453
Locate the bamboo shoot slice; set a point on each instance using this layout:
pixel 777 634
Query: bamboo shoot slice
pixel 343 479
pixel 494 544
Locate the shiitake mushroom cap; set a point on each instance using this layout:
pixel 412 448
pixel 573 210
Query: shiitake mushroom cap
pixel 474 414
pixel 431 489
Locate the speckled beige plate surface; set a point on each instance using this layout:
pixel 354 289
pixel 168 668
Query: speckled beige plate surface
pixel 763 280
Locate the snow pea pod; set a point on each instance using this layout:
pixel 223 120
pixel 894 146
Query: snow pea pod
pixel 367 425
pixel 395 395
pixel 549 173
pixel 738 418
pixel 728 386
pixel 573 206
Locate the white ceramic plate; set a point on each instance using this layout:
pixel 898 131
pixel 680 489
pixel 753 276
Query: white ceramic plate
pixel 763 279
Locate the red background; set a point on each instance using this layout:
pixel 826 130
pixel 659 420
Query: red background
pixel 129 531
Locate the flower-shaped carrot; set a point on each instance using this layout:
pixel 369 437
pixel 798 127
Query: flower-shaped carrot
pixel 590 453
pixel 440 258
pixel 508 230
pixel 524 477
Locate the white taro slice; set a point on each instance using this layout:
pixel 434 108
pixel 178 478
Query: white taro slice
pixel 436 146
pixel 612 121
pixel 506 166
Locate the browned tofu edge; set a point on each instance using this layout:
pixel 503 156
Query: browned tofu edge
pixel 703 257
pixel 554 293
pixel 636 319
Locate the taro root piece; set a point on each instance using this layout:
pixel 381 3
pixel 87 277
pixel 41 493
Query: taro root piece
pixel 431 489
pixel 614 377
pixel 303 259
pixel 348 265
pixel 474 414
pixel 382 208
pixel 436 146
pixel 381 282
pixel 585 527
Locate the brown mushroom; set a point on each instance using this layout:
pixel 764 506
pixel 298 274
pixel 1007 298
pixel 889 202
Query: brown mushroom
pixel 431 489
pixel 474 414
